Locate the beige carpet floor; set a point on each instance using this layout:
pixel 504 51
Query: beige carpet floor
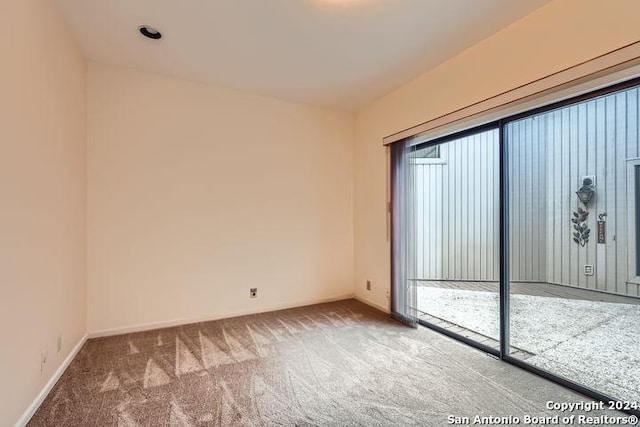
pixel 336 364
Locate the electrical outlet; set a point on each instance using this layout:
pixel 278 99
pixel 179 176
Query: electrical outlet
pixel 43 360
pixel 368 285
pixel 59 343
pixel 387 294
pixel 588 270
pixel 253 293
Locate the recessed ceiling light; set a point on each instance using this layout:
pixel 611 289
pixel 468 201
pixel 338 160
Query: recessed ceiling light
pixel 150 32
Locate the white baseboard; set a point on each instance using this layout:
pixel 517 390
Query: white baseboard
pixel 24 419
pixel 210 317
pixel 372 304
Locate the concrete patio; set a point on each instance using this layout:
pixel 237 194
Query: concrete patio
pixel 570 332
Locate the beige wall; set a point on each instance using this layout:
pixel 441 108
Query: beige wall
pixel 559 35
pixel 197 194
pixel 42 188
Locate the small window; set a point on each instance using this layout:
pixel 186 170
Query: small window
pixel 432 152
pixel 426 156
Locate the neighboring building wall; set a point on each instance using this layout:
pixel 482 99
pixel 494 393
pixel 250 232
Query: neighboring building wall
pixel 457 211
pixel 548 156
pixel 528 222
pixel 597 138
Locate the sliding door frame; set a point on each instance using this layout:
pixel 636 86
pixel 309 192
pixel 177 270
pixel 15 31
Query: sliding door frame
pixel 439 141
pixel 504 230
pixel 504 243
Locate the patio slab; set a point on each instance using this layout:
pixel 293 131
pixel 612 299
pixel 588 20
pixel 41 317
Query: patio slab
pixel 590 342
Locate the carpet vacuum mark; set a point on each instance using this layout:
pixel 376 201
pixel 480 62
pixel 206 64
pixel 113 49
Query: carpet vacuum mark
pixel 336 364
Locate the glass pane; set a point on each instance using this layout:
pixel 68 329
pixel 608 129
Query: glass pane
pixel 432 152
pixel 455 224
pixel 574 306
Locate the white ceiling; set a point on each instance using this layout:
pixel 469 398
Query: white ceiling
pixel 335 53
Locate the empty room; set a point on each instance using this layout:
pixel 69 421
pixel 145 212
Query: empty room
pixel 319 213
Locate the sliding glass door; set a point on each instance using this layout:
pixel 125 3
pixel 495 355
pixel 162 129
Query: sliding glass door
pixel 522 238
pixel 454 226
pixel 573 212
